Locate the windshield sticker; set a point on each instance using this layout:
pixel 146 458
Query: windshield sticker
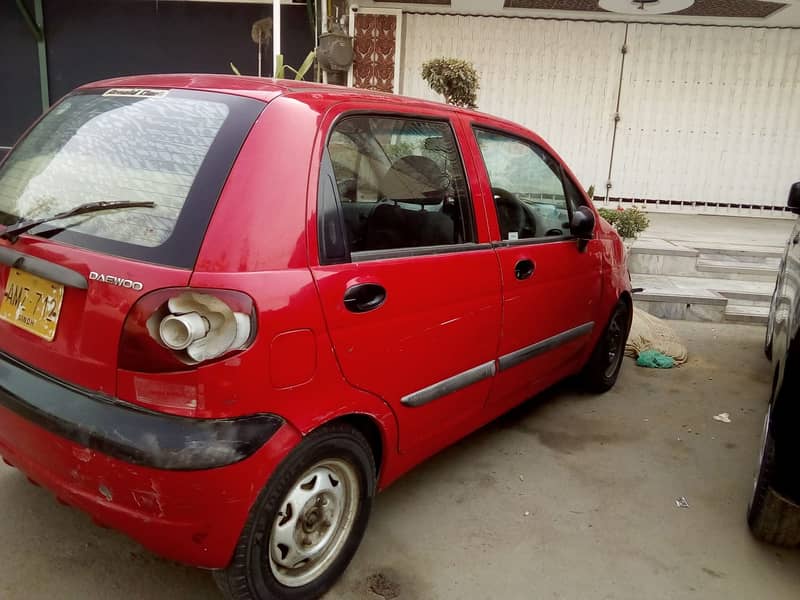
pixel 136 92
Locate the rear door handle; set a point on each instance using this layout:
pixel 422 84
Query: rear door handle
pixel 524 269
pixel 364 297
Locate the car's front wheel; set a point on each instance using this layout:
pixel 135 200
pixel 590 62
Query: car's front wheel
pixel 602 370
pixel 308 521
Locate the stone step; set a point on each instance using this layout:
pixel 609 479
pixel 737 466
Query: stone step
pixel 742 251
pixel 747 298
pixel 720 261
pixel 748 259
pixel 727 269
pixel 734 290
pixel 661 257
pixel 699 305
pixel 701 299
pixel 756 315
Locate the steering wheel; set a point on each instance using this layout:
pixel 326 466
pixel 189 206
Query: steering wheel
pixel 512 215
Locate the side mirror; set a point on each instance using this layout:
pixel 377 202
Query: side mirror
pixel 583 223
pixel 794 198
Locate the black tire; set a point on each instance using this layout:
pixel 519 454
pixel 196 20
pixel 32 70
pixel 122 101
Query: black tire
pixel 601 371
pixel 771 517
pixel 251 574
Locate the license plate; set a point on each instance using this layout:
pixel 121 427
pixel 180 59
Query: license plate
pixel 32 303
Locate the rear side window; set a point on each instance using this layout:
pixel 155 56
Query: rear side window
pixel 401 183
pixel 170 147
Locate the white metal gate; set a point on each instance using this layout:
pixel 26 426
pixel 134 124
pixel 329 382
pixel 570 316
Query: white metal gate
pixel 709 116
pixel 546 75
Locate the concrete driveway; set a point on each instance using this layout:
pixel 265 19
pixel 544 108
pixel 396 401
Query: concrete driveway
pixel 571 496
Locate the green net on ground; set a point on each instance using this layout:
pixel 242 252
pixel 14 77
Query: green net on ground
pixel 653 359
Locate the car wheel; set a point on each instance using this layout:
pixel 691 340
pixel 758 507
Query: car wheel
pixel 771 517
pixel 308 521
pixel 602 370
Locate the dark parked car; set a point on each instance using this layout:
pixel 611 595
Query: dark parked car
pixel 774 511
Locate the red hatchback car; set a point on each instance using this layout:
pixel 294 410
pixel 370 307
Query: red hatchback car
pixel 235 308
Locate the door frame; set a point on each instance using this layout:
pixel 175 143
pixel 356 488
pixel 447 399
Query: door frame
pixel 423 400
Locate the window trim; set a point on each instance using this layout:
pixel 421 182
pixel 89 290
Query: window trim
pixel 373 255
pixel 475 127
pixel 533 241
pixel 564 178
pixel 335 212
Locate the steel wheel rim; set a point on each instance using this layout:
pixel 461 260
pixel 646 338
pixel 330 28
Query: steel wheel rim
pixel 313 522
pixel 614 343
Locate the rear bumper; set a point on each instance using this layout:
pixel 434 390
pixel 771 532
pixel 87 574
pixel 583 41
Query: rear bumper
pixel 126 432
pixel 181 487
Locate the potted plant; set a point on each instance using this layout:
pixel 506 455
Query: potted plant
pixel 629 222
pixel 455 79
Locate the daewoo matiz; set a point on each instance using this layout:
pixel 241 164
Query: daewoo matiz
pixel 236 308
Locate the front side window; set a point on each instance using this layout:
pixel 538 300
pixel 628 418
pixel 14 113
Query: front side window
pixel 401 183
pixel 527 187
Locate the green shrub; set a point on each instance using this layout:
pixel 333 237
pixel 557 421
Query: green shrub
pixel 454 79
pixel 629 223
pixel 609 214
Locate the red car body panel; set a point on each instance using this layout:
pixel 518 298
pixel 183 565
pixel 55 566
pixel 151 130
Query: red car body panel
pixel 530 314
pixel 85 350
pixel 442 305
pixel 190 517
pixel 312 361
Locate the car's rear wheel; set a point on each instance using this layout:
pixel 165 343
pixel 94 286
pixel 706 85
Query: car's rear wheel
pixel 771 517
pixel 308 521
pixel 602 370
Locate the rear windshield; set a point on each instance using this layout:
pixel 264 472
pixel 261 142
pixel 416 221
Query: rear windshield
pixel 170 147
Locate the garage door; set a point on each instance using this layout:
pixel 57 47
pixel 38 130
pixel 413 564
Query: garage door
pixel 547 75
pixel 709 114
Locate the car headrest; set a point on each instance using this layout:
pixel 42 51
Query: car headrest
pixel 415 179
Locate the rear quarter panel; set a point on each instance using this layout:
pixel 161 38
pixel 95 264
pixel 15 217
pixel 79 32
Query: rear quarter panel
pixel 257 243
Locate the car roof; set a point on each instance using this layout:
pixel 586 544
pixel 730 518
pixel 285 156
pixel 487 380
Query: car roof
pixel 267 89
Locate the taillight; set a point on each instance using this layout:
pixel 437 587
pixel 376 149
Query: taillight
pixel 178 328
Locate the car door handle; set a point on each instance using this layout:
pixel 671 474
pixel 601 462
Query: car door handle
pixel 364 297
pixel 524 269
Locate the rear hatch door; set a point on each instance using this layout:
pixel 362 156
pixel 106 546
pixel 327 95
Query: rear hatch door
pixel 68 284
pixel 40 301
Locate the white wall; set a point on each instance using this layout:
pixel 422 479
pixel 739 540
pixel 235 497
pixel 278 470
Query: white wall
pixel 546 75
pixel 708 114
